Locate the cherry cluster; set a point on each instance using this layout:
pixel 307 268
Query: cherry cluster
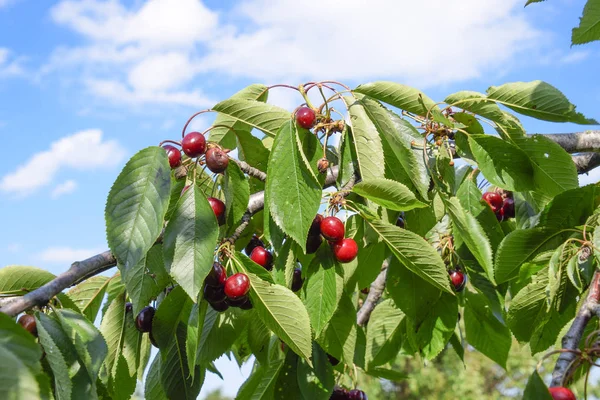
pixel 259 254
pixel 222 292
pixel 332 229
pixel 194 145
pixel 340 393
pixel 503 205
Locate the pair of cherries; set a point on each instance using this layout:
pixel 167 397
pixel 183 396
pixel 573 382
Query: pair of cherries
pixel 332 229
pixel 223 292
pixel 340 393
pixel 194 145
pixel 503 208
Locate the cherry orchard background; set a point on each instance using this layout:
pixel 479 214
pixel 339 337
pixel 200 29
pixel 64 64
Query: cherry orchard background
pixel 85 84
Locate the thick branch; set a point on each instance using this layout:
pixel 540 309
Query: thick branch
pixel 586 162
pixel 250 170
pixel 375 293
pixel 578 142
pixel 573 337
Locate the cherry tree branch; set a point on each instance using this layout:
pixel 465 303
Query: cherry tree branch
pixel 375 293
pixel 586 162
pixel 577 142
pixel 250 170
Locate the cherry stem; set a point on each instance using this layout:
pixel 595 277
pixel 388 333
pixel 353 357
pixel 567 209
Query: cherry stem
pixel 191 118
pixel 169 141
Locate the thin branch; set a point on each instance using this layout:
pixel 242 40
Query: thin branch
pixel 375 293
pixel 250 170
pixel 577 142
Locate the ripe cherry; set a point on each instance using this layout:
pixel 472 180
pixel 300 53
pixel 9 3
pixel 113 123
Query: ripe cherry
pixel 241 302
pixel 561 393
pixel 28 322
pixel 193 144
pixel 508 208
pixel 400 222
pixel 306 117
pixel 128 307
pixel 216 276
pixel 345 250
pixel 297 280
pixel 218 208
pixel 356 394
pixel 313 242
pixel 237 286
pixel 332 228
pixel 493 199
pixel 254 242
pixel 143 321
pixel 262 257
pixel 214 294
pixel 216 160
pixel 334 361
pixel 174 156
pixel 339 393
pixel 315 226
pixel 459 280
pixel 220 306
pixel 500 214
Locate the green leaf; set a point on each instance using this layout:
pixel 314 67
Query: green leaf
pixel 265 117
pixel 252 150
pixel 339 336
pixel 175 307
pixel 293 192
pixel 189 241
pixel 539 100
pixel 18 381
pixel 369 261
pixel 123 384
pixel 389 194
pixel 484 331
pixel 19 342
pixel 471 232
pixel 367 141
pixel 476 103
pixel 136 206
pixel 18 280
pixel 431 337
pixel 88 295
pixel 522 245
pixel 316 382
pixel 153 389
pixel 398 95
pixel 536 389
pixel 258 340
pixel 411 293
pixel 502 163
pixel 412 251
pixel 384 336
pixel 589 24
pixel 237 193
pixel 195 326
pixel 571 208
pixel 112 328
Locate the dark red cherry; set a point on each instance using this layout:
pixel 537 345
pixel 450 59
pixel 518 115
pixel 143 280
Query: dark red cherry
pixel 345 250
pixel 153 341
pixel 262 257
pixel 508 208
pixel 216 160
pixel 332 228
pixel 218 208
pixel 247 305
pixel 356 394
pixel 306 117
pixel 128 307
pixel 561 393
pixel 315 226
pixel 239 302
pixel 28 322
pixel 493 199
pixel 237 286
pixel 193 144
pixel 500 214
pixel 216 276
pixel 214 294
pixel 400 222
pixel 254 242
pixel 459 280
pixel 297 280
pixel 313 242
pixel 174 155
pixel 143 321
pixel 339 393
pixel 220 306
pixel 334 361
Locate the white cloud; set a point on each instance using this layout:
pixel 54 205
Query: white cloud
pixel 9 65
pixel 66 254
pixel 5 3
pixel 575 57
pixel 64 188
pixel 84 150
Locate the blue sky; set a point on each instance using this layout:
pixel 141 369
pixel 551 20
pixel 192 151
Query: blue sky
pixel 85 84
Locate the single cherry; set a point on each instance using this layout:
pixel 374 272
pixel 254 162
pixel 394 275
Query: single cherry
pixel 216 160
pixel 306 117
pixel 400 222
pixel 220 306
pixel 459 280
pixel 216 276
pixel 218 208
pixel 493 199
pixel 339 393
pixel 247 305
pixel 128 307
pixel 239 302
pixel 143 321
pixel 262 257
pixel 561 393
pixel 237 286
pixel 508 208
pixel 356 394
pixel 28 322
pixel 254 242
pixel 345 250
pixel 214 294
pixel 332 228
pixel 334 361
pixel 313 242
pixel 500 214
pixel 174 156
pixel 365 290
pixel 315 226
pixel 193 144
pixel 297 280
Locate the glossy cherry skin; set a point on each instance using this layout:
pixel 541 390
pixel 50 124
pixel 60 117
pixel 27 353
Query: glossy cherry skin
pixel 237 285
pixel 508 208
pixel 193 144
pixel 306 117
pixel 345 250
pixel 28 322
pixel 297 280
pixel 218 208
pixel 356 394
pixel 219 306
pixel 216 276
pixel 400 222
pixel 561 393
pixel 493 199
pixel 459 280
pixel 333 229
pixel 174 156
pixel 339 393
pixel 262 257
pixel 128 307
pixel 214 294
pixel 254 242
pixel 241 302
pixel 500 214
pixel 313 242
pixel 143 321
pixel 315 226
pixel 216 160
